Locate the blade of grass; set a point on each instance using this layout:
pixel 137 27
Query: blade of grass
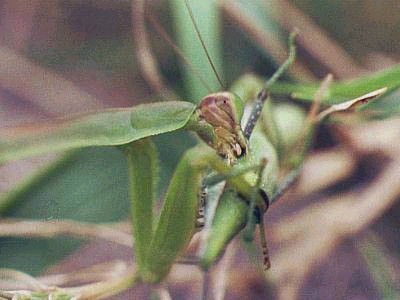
pixel 207 18
pixel 343 90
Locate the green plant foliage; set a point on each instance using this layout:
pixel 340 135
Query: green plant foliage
pixel 92 187
pixel 345 90
pixel 188 42
pixel 105 128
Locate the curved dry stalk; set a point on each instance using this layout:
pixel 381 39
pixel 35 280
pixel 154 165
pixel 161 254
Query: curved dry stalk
pixel 16 280
pixel 351 104
pixel 313 39
pixel 163 293
pixel 374 136
pixel 47 90
pixel 50 229
pixel 14 276
pixel 94 273
pixel 314 232
pixel 265 39
pixel 145 58
pixel 105 289
pixel 221 276
pixel 323 169
pixel 93 291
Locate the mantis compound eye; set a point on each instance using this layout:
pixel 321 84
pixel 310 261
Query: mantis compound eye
pixel 224 111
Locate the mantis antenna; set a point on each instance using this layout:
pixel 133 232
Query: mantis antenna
pixel 203 44
pixel 178 51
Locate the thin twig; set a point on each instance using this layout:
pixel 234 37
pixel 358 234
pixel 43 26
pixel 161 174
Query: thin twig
pixel 47 90
pixel 98 272
pixel 163 293
pixel 319 96
pixel 144 55
pixel 221 275
pixel 286 184
pixel 21 277
pixel 50 229
pixel 105 289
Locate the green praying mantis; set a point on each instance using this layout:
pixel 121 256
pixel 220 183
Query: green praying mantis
pixel 238 162
pixel 243 158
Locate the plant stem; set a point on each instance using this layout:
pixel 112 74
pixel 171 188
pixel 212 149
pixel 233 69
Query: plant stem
pixel 105 289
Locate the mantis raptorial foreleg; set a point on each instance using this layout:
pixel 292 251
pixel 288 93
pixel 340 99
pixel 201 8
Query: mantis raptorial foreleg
pixel 177 221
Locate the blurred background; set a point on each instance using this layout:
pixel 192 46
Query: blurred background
pixel 334 236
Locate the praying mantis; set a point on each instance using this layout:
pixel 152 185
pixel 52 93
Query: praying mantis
pixel 242 157
pixel 235 152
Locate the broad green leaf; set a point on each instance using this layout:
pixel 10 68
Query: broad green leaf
pixel 109 127
pixel 143 168
pixel 92 187
pixel 207 18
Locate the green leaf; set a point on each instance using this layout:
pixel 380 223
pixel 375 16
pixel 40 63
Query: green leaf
pixel 143 169
pixel 109 127
pixel 91 187
pixel 345 90
pixel 207 18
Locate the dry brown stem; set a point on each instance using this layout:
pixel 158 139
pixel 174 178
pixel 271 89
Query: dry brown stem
pixel 265 39
pixel 314 232
pixel 323 169
pixel 221 274
pixel 12 280
pixel 52 93
pixel 314 39
pixel 145 58
pixel 376 136
pixel 50 229
pixel 99 290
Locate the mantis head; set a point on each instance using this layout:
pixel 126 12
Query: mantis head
pixel 223 111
